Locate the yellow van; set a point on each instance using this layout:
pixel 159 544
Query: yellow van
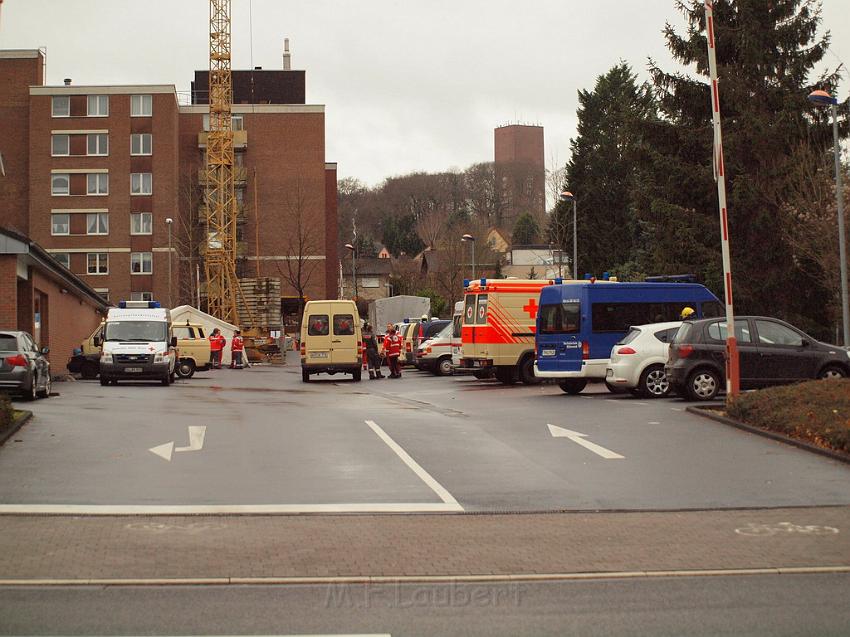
pixel 193 349
pixel 331 340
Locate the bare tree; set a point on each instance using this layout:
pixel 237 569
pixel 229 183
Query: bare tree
pixel 187 235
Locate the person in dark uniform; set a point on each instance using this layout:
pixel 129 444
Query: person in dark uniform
pixel 373 359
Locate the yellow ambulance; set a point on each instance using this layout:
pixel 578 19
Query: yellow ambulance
pixel 331 340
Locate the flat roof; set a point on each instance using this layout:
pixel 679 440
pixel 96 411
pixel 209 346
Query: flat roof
pixel 101 89
pixel 16 54
pixel 261 109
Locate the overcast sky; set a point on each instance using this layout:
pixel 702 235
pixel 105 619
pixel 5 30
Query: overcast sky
pixel 408 84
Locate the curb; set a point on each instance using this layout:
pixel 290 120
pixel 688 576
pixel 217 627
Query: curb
pixel 706 412
pixel 12 429
pixel 422 579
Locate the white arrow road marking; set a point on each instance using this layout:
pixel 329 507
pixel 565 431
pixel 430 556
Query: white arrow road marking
pixel 196 443
pixel 579 438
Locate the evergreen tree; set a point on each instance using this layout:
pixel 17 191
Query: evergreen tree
pixel 766 50
pixel 526 230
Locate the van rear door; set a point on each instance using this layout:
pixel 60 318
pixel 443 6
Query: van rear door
pixel 343 335
pixel 318 344
pixel 558 339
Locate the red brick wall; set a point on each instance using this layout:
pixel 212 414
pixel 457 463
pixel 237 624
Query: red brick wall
pixel 8 292
pixel 331 233
pixel 16 76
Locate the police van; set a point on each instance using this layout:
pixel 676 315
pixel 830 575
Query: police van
pixel 578 323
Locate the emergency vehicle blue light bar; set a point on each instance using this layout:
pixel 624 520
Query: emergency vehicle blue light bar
pixel 558 281
pixel 466 283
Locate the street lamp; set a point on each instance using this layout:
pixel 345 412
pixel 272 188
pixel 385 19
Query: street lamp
pixel 568 196
pixel 353 267
pixel 471 240
pixel 822 98
pixel 168 223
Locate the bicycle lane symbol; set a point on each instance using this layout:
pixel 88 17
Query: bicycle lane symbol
pixel 784 528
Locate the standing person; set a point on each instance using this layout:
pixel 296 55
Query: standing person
pixel 373 359
pixel 392 346
pixel 237 346
pixel 217 343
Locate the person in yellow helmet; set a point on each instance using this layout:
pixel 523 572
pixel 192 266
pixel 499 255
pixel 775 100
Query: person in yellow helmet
pixel 688 314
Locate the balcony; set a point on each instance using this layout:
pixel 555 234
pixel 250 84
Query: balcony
pixel 240 176
pixel 240 139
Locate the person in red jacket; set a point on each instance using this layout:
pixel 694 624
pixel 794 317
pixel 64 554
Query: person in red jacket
pixel 392 346
pixel 217 343
pixel 237 346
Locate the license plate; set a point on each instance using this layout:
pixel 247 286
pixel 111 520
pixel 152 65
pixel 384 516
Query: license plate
pixel 133 370
pixel 318 354
pixel 547 352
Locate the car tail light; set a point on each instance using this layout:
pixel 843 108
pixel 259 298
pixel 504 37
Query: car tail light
pixel 303 349
pixel 683 351
pixel 18 360
pixel 585 350
pixel 626 350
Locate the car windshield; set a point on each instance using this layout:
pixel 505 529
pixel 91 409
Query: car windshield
pixel 146 331
pixel 445 333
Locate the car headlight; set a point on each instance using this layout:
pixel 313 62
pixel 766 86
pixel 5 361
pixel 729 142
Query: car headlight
pixel 159 357
pixel 106 357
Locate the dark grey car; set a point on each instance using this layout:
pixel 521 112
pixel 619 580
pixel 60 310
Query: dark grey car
pixel 24 370
pixel 770 352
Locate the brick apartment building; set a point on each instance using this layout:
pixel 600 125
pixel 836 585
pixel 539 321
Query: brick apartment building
pixel 521 169
pixel 94 172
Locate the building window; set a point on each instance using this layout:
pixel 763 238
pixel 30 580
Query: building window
pixel 60 224
pixel 141 296
pixel 141 262
pixel 60 145
pixel 97 263
pixel 237 122
pixel 60 184
pixel 63 258
pixel 141 223
pixel 98 143
pixel 141 183
pixel 97 223
pixel 104 293
pixel 141 105
pixel 97 184
pixel 61 106
pixel 98 106
pixel 141 144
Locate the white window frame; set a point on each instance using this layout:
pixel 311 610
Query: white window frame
pixel 100 258
pixel 237 122
pixel 53 190
pixel 101 221
pixel 140 138
pixel 64 258
pixel 101 184
pixel 141 223
pixel 104 292
pixel 139 178
pixel 67 224
pixel 138 103
pixel 99 101
pixel 97 138
pixel 60 99
pixel 140 258
pixel 54 139
pixel 141 296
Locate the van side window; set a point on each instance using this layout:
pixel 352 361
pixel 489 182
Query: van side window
pixel 469 310
pixel 619 317
pixel 481 313
pixel 317 325
pixel 560 318
pixel 712 309
pixel 343 325
pixel 181 331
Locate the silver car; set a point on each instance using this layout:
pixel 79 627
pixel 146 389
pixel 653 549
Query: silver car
pixel 24 369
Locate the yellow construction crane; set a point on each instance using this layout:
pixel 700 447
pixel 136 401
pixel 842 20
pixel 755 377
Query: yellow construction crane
pixel 220 197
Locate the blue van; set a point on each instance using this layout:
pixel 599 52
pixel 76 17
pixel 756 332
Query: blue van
pixel 579 323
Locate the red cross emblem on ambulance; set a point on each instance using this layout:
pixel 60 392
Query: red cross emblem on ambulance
pixel 531 308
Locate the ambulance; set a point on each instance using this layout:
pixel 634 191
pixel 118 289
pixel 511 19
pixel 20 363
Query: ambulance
pixel 497 329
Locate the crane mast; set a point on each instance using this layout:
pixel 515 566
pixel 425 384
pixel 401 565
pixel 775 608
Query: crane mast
pixel 219 194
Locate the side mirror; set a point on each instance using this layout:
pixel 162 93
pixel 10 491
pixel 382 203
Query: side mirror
pixel 45 350
pixel 173 341
pixel 97 341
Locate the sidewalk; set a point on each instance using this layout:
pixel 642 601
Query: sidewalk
pixel 304 546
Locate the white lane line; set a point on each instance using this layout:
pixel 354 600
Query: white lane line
pixel 677 409
pixel 641 404
pixel 228 509
pixel 654 422
pixel 435 486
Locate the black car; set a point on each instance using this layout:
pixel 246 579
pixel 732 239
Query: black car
pixel 771 352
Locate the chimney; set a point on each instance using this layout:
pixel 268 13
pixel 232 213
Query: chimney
pixel 67 81
pixel 287 58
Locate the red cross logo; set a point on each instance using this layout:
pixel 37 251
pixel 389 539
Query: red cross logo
pixel 531 308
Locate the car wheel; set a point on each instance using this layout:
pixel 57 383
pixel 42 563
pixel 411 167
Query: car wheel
pixel 186 368
pixel 832 371
pixel 357 375
pixel 45 393
pixel 506 375
pixel 444 366
pixel 305 376
pixel 526 372
pixel 653 382
pixel 104 381
pixel 164 381
pixel 89 370
pixel 703 384
pixel 573 386
pixel 32 391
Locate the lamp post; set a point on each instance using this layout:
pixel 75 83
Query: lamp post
pixel 168 223
pixel 568 196
pixel 353 267
pixel 822 98
pixel 471 240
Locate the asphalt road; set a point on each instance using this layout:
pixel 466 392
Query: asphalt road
pixel 773 605
pixel 419 443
